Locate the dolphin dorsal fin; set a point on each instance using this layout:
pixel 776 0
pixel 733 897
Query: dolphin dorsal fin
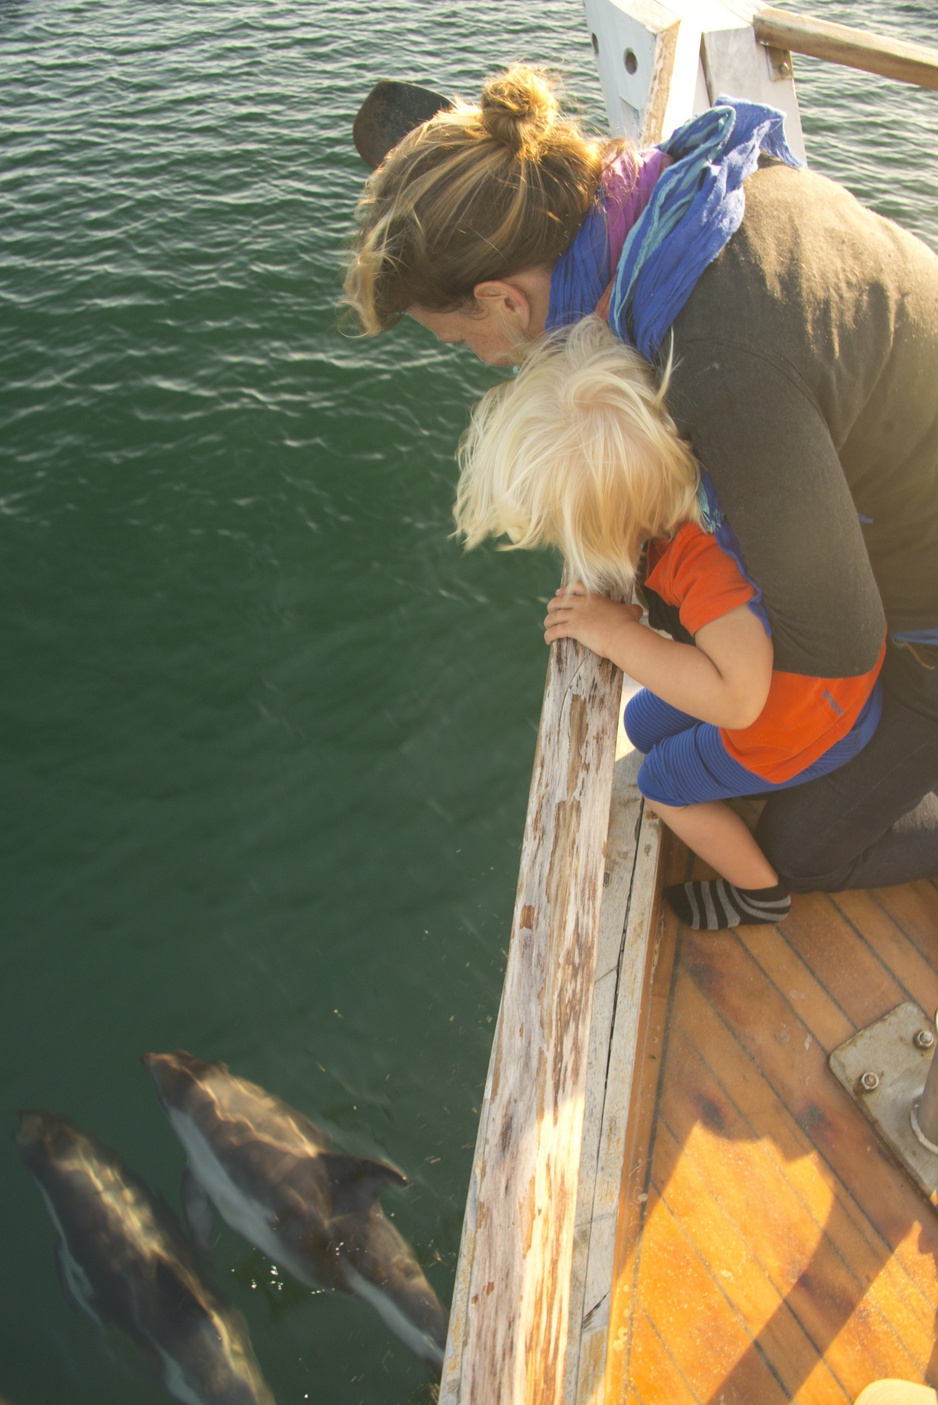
pixel 355 1182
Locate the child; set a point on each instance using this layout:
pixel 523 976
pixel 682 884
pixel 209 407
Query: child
pixel 579 452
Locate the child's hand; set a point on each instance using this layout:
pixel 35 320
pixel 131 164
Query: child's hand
pixel 593 620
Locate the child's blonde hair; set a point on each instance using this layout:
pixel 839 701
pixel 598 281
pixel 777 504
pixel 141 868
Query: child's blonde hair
pixel 578 452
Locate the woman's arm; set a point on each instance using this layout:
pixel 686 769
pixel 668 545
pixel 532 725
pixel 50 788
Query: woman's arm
pixel 783 489
pixel 724 679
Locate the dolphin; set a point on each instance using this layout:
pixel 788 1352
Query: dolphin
pixel 274 1178
pixel 124 1259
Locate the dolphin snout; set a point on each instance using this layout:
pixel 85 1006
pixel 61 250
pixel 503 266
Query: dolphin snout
pixel 31 1128
pixel 165 1071
pixel 38 1128
pixel 176 1074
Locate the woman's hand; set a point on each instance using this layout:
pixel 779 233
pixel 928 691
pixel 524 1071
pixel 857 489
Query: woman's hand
pixel 592 620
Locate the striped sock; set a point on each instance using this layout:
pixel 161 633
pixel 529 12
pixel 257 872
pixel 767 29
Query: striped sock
pixel 717 904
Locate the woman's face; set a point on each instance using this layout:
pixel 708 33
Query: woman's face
pixel 503 318
pixel 494 337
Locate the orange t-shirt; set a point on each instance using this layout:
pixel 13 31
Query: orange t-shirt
pixel 803 717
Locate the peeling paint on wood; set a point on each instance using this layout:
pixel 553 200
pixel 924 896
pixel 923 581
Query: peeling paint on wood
pixel 523 1201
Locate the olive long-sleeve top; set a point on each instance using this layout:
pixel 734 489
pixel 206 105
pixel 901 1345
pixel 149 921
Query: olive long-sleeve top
pixel 806 378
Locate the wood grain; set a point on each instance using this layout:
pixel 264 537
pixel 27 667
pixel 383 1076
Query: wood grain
pixel 509 1340
pixel 780 1252
pixel 854 48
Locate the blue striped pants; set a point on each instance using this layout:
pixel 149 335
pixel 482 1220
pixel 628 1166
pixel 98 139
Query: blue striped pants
pixel 686 762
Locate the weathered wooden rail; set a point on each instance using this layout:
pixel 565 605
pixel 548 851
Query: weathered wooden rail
pixel 838 43
pixel 541 1216
pixel 530 1315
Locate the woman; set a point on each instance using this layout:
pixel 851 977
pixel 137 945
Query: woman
pixel 804 334
pixel 578 452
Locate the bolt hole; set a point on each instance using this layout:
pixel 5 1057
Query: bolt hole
pixel 595 43
pixel 630 61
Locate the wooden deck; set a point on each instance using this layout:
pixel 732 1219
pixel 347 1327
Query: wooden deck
pixel 768 1248
pixel 738 1233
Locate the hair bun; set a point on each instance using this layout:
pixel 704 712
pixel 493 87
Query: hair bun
pixel 517 107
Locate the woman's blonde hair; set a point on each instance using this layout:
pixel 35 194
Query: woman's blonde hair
pixel 476 193
pixel 577 452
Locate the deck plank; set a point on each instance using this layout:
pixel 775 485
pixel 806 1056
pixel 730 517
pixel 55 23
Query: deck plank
pixel 658 1367
pixel 912 907
pixel 751 1280
pixel 780 1253
pixel 796 1231
pixel 866 1173
pixel 854 1237
pixel 705 1335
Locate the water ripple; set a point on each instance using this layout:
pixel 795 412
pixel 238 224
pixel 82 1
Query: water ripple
pixel 267 731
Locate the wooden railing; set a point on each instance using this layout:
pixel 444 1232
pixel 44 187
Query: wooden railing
pixel 837 43
pixel 531 1300
pixel 511 1308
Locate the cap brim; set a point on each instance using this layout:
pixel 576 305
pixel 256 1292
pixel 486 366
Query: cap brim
pixel 389 112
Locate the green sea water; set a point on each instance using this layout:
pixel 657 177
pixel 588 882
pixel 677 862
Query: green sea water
pixel 265 731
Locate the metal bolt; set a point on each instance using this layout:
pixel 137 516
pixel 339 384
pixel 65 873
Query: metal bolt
pixel 869 1081
pixel 924 1039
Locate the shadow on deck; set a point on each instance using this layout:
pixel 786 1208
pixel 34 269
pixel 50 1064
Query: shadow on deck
pixel 769 1248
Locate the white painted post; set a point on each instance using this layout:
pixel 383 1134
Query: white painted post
pixel 662 63
pixel 648 59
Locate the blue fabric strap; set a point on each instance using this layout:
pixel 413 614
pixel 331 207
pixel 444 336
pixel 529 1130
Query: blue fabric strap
pixel 697 204
pixel 581 275
pixel 714 521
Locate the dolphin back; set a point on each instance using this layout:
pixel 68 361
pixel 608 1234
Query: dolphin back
pixel 216 1100
pixel 381 1267
pixel 273 1177
pixel 128 1262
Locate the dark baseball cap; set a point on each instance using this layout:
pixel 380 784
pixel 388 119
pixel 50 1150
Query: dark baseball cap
pixel 389 112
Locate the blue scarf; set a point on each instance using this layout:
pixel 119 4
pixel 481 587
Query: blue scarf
pixel 697 205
